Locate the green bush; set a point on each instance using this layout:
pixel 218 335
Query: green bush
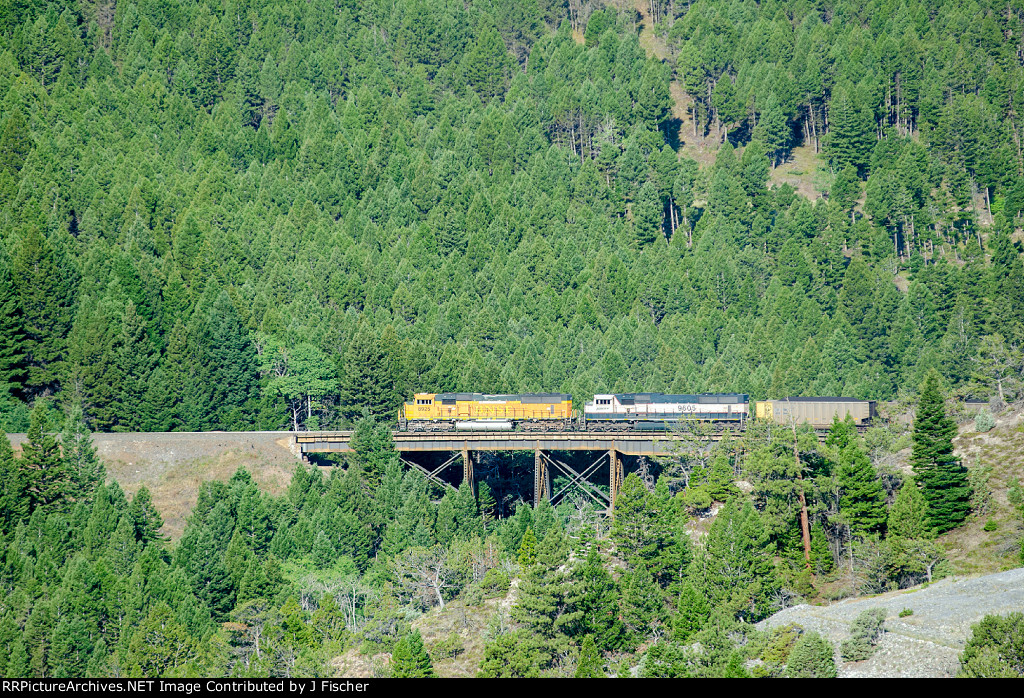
pixel 776 652
pixel 813 657
pixel 996 648
pixel 495 582
pixel 984 421
pixel 866 632
pixel 990 525
pixel 450 647
pixel 906 612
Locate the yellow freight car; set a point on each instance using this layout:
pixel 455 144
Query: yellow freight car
pixel 479 412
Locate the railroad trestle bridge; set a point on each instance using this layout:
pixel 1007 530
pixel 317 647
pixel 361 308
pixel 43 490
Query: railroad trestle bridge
pixel 610 448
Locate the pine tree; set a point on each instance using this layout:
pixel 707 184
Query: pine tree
pixel 638 528
pixel 145 518
pixel 589 665
pixel 939 474
pixel 813 657
pixel 410 659
pixel 862 500
pixel 908 516
pixel 527 553
pixel 15 143
pixel 647 215
pixel 541 601
pixel 160 644
pixel 229 368
pixel 773 130
pixel 12 334
pixel 591 600
pixel 641 605
pixel 47 283
pixel 324 553
pixel 48 482
pixel 368 377
pixel 850 134
pixel 487 66
pixel 13 502
pixel 84 465
pixel 692 612
pixel 736 568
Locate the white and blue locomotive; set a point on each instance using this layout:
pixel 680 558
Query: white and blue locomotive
pixel 647 411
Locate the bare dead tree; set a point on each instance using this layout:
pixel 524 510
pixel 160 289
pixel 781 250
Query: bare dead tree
pixel 425 574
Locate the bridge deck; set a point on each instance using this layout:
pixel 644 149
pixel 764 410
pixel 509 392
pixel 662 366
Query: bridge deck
pixel 629 443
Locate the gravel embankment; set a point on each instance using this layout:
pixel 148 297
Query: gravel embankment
pixel 173 465
pixel 925 644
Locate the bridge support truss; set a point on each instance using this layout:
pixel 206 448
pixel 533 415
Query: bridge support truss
pixel 546 465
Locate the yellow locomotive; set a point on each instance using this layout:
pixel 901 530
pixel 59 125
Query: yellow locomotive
pixel 479 412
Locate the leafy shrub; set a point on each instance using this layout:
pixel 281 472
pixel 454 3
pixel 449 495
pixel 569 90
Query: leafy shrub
pixel 776 652
pixel 473 595
pixel 813 657
pixel 495 582
pixel 866 632
pixel 450 647
pixel 697 500
pixel 984 421
pixel 996 648
pixel 906 612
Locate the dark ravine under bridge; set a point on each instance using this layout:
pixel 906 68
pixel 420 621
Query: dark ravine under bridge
pixel 609 448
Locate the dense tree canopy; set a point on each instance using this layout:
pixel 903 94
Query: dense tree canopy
pixel 260 215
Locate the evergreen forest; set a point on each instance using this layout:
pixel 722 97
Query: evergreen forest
pixel 279 215
pixel 243 215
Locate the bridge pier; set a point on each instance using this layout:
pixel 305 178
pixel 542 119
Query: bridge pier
pixel 467 467
pixel 541 477
pixel 614 475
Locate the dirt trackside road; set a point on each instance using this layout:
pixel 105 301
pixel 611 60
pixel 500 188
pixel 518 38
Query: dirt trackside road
pixel 173 465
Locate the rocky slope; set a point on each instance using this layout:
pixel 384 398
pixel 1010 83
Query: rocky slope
pixel 925 644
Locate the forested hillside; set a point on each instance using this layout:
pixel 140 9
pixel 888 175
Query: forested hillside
pixel 270 214
pixel 246 214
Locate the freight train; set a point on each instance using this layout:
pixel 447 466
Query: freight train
pixel 619 411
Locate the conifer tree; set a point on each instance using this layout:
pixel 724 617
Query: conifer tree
pixel 541 602
pixel 591 600
pixel 368 379
pixel 527 553
pixel 736 568
pixel 12 334
pixel 159 644
pixel 47 283
pixel 487 65
pixel 15 143
pixel 410 659
pixel 692 612
pixel 862 500
pixel 47 481
pixel 14 505
pixel 145 518
pixel 589 665
pixel 939 473
pixel 908 516
pixel 813 657
pixel 647 215
pixel 86 470
pixel 229 368
pixel 639 529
